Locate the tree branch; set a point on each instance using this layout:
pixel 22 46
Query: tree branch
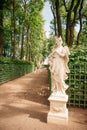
pixel 54 15
pixel 80 17
pixel 75 11
pixel 71 6
pixel 65 5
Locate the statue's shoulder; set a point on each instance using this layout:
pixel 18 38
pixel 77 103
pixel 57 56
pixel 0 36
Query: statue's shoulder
pixel 60 49
pixel 67 49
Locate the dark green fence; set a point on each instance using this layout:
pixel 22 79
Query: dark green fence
pixel 9 71
pixel 77 81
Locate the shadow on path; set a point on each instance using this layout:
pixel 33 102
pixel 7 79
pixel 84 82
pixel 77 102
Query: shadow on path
pixel 26 95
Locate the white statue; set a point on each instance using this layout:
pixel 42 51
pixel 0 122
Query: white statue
pixel 58 61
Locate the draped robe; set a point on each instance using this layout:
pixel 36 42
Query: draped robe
pixel 58 61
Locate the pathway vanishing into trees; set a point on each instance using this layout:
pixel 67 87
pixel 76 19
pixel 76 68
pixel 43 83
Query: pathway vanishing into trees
pixel 24 105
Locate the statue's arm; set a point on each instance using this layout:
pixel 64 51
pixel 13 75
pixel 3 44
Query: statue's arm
pixel 53 54
pixel 61 53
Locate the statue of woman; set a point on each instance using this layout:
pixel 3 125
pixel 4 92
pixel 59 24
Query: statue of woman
pixel 58 61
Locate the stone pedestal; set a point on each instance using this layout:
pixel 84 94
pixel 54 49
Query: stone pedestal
pixel 58 113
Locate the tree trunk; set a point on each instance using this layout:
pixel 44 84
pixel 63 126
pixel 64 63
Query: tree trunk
pixel 22 44
pixel 58 18
pixel 80 18
pixel 29 48
pixel 1 27
pixel 71 38
pixel 19 30
pixel 69 32
pixel 54 15
pixel 11 35
pixel 27 45
pixel 23 31
pixel 14 25
pixel 71 22
pixel 68 28
pixel 78 36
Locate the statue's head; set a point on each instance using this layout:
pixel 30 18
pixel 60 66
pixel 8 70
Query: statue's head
pixel 58 41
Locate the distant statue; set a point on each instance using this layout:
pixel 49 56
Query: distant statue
pixel 58 65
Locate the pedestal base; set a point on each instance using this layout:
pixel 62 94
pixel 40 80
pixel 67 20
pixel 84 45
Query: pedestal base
pixel 61 118
pixel 58 113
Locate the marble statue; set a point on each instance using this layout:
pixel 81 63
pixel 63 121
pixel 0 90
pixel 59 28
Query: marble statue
pixel 58 65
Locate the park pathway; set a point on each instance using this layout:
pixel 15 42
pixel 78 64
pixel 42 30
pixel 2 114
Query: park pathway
pixel 24 105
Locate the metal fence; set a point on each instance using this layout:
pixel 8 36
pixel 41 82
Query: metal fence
pixel 77 81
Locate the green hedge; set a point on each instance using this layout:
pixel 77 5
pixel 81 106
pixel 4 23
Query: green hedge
pixel 11 69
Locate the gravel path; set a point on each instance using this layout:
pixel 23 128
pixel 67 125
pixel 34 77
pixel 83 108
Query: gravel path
pixel 24 105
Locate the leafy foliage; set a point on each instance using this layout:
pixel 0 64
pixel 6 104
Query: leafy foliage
pixel 9 60
pixel 28 30
pixel 78 55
